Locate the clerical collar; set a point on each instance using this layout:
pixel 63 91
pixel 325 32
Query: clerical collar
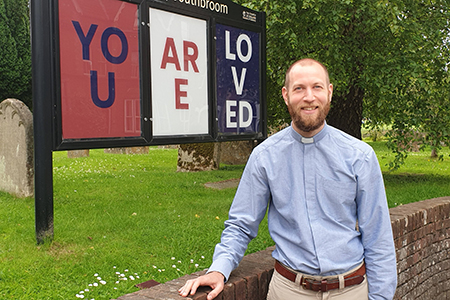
pixel 310 140
pixel 306 140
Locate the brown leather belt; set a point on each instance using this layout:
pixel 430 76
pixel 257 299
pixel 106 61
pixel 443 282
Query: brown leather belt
pixel 323 285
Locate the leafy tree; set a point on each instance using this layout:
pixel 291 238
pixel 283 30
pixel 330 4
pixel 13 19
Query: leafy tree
pixel 387 61
pixel 15 51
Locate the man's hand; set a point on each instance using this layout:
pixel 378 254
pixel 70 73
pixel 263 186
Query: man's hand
pixel 215 280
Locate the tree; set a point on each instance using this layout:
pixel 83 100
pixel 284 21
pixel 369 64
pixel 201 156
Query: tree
pixel 15 51
pixel 387 61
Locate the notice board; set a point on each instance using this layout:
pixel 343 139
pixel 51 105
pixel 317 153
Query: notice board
pixel 131 73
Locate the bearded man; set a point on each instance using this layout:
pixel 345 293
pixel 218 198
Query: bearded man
pixel 327 208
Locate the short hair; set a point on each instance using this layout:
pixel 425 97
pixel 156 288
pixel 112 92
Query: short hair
pixel 306 62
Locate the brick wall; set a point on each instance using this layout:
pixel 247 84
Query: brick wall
pixel 422 239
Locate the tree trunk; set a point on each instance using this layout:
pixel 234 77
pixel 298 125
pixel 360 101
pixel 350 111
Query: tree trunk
pixel 346 112
pixel 236 152
pixel 198 157
pixel 434 153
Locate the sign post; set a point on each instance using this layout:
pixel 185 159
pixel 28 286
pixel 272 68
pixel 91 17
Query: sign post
pixel 118 73
pixel 42 124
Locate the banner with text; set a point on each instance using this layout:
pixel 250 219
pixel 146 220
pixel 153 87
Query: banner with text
pixel 179 74
pixel 151 72
pixel 99 69
pixel 238 80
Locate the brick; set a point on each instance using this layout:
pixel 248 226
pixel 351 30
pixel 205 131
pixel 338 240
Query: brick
pixel 168 290
pixel 240 289
pixel 132 297
pixel 228 291
pixel 263 258
pixel 264 280
pixel 248 268
pixel 252 287
pixel 398 223
pixel 201 294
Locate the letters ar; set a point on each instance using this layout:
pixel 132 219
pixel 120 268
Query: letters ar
pixel 170 56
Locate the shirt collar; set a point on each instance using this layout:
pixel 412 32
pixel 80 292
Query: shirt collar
pixel 304 140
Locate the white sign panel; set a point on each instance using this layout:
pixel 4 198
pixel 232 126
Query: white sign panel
pixel 179 74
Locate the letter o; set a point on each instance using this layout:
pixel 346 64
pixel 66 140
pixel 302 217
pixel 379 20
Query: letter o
pixel 248 56
pixel 104 43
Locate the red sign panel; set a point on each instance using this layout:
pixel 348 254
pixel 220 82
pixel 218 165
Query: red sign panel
pixel 99 66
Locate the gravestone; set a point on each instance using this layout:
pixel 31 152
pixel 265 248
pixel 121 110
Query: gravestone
pixel 78 153
pixel 16 148
pixel 127 150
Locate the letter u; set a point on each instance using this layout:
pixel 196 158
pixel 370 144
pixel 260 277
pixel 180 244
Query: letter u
pixel 111 90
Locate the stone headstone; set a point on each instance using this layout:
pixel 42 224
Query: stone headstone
pixel 78 153
pixel 16 148
pixel 127 150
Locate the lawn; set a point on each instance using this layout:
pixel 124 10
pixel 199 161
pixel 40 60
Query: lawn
pixel 124 219
pixel 420 178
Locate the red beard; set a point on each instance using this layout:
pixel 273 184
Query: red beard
pixel 309 123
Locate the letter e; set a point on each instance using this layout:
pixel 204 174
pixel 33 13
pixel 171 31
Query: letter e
pixel 230 114
pixel 179 93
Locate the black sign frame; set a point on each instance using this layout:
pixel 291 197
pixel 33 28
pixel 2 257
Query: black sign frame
pixel 47 118
pixel 237 16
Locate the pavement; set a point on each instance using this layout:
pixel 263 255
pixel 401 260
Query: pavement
pixel 226 184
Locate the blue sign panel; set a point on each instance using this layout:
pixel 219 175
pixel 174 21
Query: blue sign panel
pixel 238 80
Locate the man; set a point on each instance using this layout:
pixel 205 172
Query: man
pixel 328 214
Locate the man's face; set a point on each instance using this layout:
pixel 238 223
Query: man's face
pixel 308 98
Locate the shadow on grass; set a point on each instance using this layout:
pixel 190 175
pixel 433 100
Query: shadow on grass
pixel 406 178
pixel 406 188
pixel 231 167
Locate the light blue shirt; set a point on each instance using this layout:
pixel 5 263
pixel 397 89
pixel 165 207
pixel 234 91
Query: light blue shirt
pixel 319 191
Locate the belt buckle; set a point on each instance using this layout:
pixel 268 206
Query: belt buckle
pixel 307 283
pixel 303 283
pixel 314 285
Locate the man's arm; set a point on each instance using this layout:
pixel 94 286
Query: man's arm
pixel 248 209
pixel 376 231
pixel 246 212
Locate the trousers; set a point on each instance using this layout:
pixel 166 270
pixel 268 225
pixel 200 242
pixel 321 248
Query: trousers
pixel 281 288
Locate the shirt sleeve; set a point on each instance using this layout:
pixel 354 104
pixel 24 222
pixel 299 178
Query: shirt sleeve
pixel 247 210
pixel 376 230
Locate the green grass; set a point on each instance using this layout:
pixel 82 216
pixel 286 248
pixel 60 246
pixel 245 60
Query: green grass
pixel 420 178
pixel 135 212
